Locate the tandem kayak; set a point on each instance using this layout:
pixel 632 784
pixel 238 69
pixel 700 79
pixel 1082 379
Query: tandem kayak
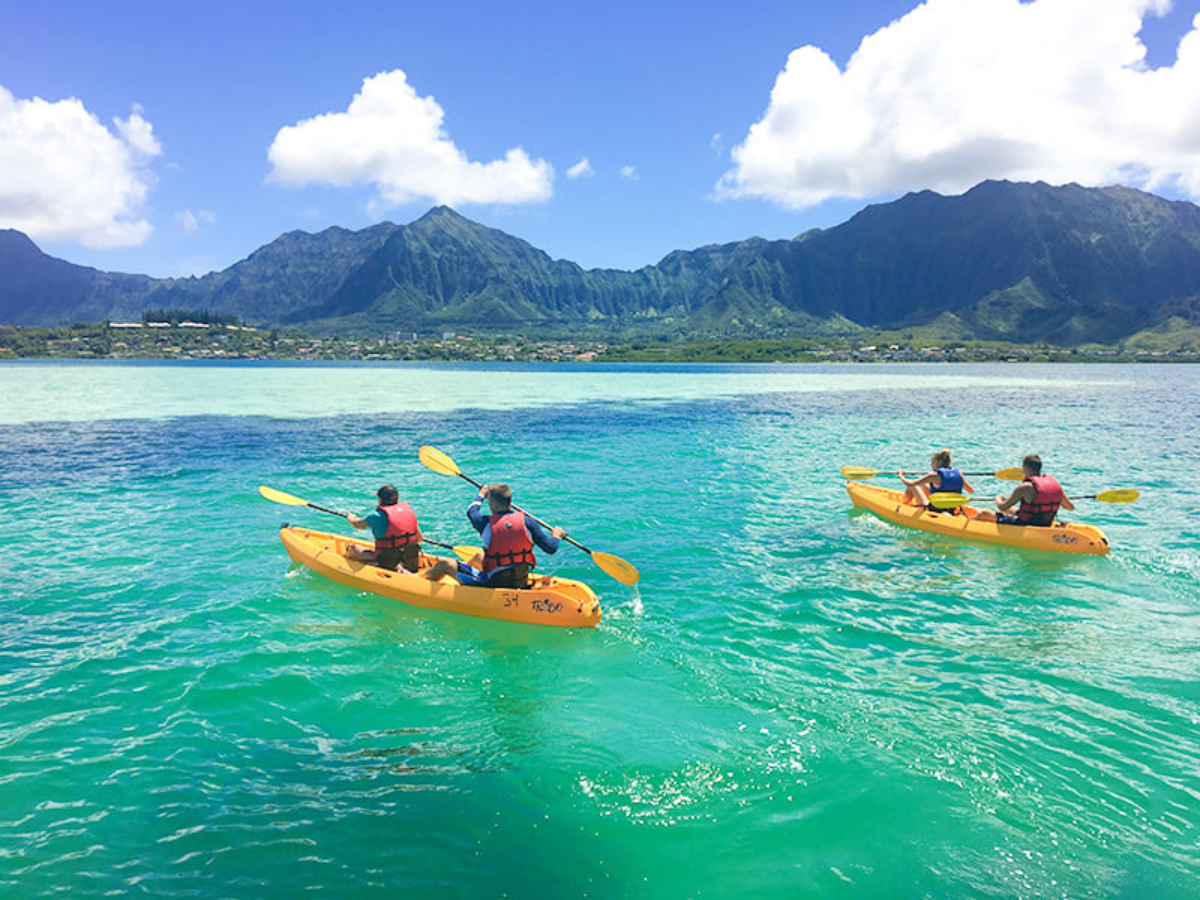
pixel 1061 537
pixel 550 601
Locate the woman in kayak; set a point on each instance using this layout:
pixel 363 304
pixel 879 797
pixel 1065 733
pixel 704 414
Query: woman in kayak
pixel 943 478
pixel 397 534
pixel 1040 496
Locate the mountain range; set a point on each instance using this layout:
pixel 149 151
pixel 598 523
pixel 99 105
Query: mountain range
pixel 1004 261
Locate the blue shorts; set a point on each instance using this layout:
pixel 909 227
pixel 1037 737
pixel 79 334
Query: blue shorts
pixel 505 577
pixel 471 576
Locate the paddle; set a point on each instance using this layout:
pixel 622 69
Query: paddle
pixel 612 565
pixel 948 500
pixel 953 501
pixel 465 553
pixel 1121 495
pixel 861 473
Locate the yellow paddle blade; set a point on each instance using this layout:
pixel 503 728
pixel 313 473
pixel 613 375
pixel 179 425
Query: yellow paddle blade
pixel 438 461
pixel 280 497
pixel 466 553
pixel 1017 474
pixel 1118 496
pixel 616 567
pixel 858 473
pixel 947 500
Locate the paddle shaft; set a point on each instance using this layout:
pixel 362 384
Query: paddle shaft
pixel 344 515
pixel 542 522
pixel 326 509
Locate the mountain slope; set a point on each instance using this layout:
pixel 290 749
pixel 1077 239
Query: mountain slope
pixel 1026 262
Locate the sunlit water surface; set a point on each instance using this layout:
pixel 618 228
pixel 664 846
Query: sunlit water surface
pixel 796 701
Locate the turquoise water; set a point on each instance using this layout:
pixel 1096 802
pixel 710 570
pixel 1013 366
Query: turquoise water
pixel 797 700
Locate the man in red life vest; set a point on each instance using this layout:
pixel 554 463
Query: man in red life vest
pixel 508 540
pixel 1040 497
pixel 397 534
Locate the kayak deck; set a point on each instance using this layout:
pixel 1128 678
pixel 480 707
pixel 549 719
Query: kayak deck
pixel 1061 537
pixel 550 601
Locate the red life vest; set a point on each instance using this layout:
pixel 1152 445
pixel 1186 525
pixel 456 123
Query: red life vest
pixel 510 542
pixel 1046 501
pixel 402 527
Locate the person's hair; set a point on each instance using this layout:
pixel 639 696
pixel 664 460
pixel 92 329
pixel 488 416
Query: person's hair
pixel 501 492
pixel 387 495
pixel 941 459
pixel 1033 463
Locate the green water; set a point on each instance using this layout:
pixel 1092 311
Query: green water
pixel 796 701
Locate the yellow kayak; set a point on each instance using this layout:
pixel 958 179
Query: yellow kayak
pixel 1061 537
pixel 551 600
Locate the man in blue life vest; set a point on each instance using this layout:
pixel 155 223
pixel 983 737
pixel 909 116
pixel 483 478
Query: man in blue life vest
pixel 509 537
pixel 943 478
pixel 397 534
pixel 1040 497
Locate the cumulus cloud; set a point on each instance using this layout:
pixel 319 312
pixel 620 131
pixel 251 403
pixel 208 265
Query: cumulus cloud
pixel 629 172
pixel 64 176
pixel 581 169
pixel 957 92
pixel 395 140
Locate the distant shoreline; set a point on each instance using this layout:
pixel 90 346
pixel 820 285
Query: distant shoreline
pixel 233 342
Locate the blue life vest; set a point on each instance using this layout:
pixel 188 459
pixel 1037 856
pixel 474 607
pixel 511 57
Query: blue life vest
pixel 952 481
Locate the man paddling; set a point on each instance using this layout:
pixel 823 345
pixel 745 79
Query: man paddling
pixel 1040 497
pixel 397 534
pixel 509 537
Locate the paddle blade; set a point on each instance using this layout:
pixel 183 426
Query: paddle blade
pixel 466 553
pixel 438 461
pixel 858 473
pixel 948 500
pixel 280 497
pixel 616 567
pixel 1119 496
pixel 1017 474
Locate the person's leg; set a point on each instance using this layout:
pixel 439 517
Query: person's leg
pixel 441 569
pixel 359 553
pixel 410 557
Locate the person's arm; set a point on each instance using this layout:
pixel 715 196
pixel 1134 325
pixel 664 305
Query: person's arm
pixel 916 482
pixel 547 541
pixel 357 521
pixel 1066 503
pixel 475 511
pixel 967 489
pixel 1021 493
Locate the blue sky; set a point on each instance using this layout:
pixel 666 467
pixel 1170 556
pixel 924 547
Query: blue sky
pixel 175 140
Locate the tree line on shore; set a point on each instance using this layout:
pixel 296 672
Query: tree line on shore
pixel 163 335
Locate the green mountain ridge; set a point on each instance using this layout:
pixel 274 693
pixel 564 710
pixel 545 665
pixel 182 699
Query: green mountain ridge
pixel 1004 261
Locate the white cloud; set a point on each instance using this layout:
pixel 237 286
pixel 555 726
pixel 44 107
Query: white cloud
pixel 717 144
pixel 138 133
pixel 65 177
pixel 191 221
pixel 394 139
pixel 629 172
pixel 957 92
pixel 581 169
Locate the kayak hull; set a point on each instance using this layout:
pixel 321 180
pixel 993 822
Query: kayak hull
pixel 1061 537
pixel 551 601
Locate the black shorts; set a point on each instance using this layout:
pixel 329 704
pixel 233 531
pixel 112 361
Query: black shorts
pixel 407 557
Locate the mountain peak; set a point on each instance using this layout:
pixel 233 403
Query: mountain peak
pixel 441 213
pixel 14 242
